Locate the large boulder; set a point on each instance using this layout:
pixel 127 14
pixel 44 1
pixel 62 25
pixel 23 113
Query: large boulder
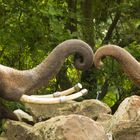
pixel 90 108
pixel 104 119
pixel 125 123
pixel 126 130
pixel 71 127
pixel 3 138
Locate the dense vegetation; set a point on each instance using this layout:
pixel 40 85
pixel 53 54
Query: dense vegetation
pixel 30 29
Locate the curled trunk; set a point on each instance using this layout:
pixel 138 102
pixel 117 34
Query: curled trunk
pixel 129 64
pixel 15 83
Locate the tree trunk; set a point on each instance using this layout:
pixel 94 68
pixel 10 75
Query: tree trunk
pixel 88 25
pixel 72 20
pixel 88 77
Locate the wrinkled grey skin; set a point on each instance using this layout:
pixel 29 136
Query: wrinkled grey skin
pixel 14 83
pixel 129 64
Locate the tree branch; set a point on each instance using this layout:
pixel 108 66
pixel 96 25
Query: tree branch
pixel 112 27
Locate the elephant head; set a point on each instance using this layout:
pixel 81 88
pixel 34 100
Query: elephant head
pixel 129 64
pixel 15 83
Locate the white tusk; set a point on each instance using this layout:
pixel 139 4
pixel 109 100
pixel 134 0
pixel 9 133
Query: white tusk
pixel 22 115
pixel 76 88
pixel 56 94
pixel 36 100
pixel 77 95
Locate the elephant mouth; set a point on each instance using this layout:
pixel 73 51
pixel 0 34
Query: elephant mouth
pixel 57 97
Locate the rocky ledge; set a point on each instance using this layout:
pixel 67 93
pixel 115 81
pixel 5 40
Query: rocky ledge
pixel 87 120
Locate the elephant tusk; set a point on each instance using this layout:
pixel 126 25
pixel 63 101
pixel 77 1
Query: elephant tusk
pixel 62 99
pixel 23 115
pixel 76 88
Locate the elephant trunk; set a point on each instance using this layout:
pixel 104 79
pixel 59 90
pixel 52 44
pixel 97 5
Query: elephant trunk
pixel 52 64
pixel 129 64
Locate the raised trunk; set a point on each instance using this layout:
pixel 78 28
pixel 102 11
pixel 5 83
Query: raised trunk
pixel 129 64
pixel 15 83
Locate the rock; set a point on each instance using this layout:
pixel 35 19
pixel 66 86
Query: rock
pixel 129 109
pixel 126 130
pixel 90 108
pixel 125 123
pixel 16 130
pixel 3 138
pixel 104 119
pixel 71 127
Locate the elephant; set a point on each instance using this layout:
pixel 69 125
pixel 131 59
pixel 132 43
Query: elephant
pixel 16 83
pixel 129 64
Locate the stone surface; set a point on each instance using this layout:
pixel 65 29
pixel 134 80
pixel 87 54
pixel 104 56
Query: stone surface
pixel 129 110
pixel 104 119
pixel 90 108
pixel 71 127
pixel 3 138
pixel 18 130
pixel 126 130
pixel 125 123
